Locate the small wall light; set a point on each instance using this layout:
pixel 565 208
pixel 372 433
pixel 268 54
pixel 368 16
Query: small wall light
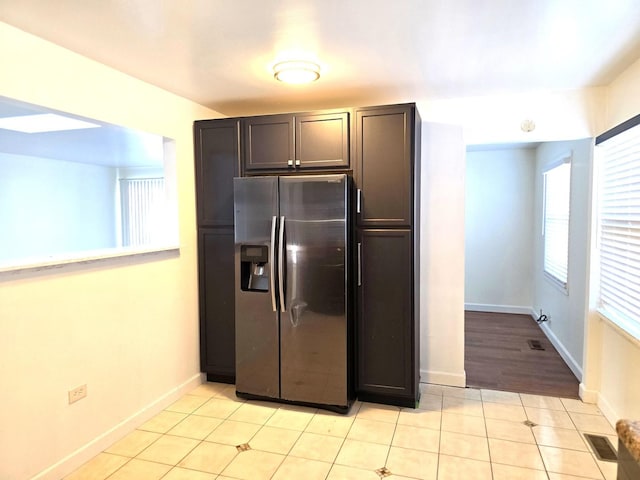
pixel 296 71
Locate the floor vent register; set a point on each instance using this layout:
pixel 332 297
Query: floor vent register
pixel 602 447
pixel 535 345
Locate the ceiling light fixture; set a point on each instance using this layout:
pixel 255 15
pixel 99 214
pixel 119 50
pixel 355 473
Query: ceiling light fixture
pixel 296 71
pixel 527 125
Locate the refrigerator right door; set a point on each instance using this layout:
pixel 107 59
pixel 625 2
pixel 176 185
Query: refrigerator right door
pixel 313 319
pixel 257 329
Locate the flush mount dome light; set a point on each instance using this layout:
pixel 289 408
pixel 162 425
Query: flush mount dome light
pixel 296 72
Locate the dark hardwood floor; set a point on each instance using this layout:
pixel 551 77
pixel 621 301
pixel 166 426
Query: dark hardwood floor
pixel 497 356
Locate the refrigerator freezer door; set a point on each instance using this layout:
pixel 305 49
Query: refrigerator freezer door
pixel 257 330
pixel 313 328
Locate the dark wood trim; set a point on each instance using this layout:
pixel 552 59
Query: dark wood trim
pixel 230 379
pixel 618 129
pixel 398 401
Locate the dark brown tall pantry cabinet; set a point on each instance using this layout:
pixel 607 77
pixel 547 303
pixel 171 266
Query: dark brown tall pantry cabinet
pixel 387 152
pixel 380 148
pixel 217 161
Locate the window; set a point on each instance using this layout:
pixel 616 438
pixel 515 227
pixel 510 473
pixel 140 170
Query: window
pixel 142 202
pixel 618 204
pixel 555 227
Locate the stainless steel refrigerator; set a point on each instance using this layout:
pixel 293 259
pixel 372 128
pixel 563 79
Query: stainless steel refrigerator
pixel 292 268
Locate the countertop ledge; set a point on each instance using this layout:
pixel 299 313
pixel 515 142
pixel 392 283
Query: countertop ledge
pixel 629 435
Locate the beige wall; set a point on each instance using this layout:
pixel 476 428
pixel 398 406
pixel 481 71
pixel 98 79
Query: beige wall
pixel 128 328
pixel 612 358
pixel 442 255
pixel 623 97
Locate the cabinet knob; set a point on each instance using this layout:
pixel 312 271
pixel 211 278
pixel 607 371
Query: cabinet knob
pixel 290 163
pixel 297 163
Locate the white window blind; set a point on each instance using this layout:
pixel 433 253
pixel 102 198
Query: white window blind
pixel 619 228
pixel 142 203
pixel 557 182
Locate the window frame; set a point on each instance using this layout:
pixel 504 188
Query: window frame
pixel 619 316
pixel 550 270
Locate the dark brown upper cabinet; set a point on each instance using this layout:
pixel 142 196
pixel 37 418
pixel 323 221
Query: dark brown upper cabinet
pixel 217 155
pixel 384 171
pixel 296 142
pixel 269 142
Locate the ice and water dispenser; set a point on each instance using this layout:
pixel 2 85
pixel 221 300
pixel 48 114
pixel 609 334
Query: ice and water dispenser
pixel 254 271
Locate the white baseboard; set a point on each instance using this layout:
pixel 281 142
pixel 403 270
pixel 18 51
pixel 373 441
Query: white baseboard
pixel 595 397
pixel 85 453
pixel 607 410
pixel 444 378
pixel 586 395
pixel 564 353
pixel 486 307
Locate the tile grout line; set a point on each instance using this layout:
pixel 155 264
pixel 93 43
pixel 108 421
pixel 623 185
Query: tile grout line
pixel 544 464
pixel 264 424
pixel 118 469
pixel 440 437
pixel 294 443
pixel 145 448
pixel 343 438
pixel 200 441
pixel 576 429
pixel 486 431
pixel 591 453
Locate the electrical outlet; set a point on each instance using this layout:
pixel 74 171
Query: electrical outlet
pixel 77 393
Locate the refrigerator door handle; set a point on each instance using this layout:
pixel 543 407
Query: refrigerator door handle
pixel 272 261
pixel 281 272
pixel 359 264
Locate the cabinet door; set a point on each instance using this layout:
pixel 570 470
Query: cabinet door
pixel 386 363
pixel 217 153
pixel 322 140
pixel 217 303
pixel 268 143
pixel 384 161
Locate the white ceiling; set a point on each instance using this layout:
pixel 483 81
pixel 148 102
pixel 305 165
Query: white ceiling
pixel 109 145
pixel 220 52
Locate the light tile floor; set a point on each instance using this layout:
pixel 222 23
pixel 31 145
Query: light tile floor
pixel 455 434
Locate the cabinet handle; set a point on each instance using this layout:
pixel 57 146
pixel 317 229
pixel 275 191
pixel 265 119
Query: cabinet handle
pixel 290 163
pixel 359 201
pixel 359 264
pixel 297 163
